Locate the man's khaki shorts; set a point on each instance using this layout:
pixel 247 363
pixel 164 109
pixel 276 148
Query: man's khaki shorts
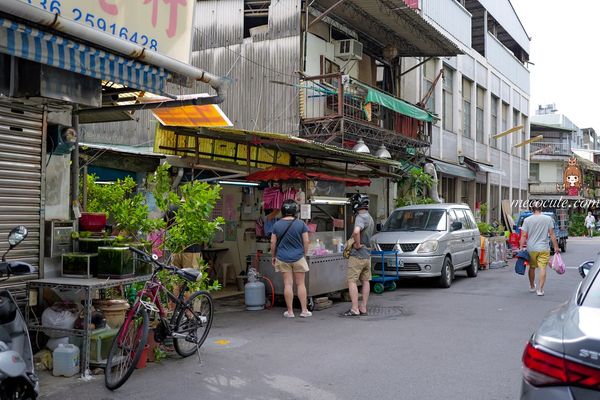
pixel 359 269
pixel 297 266
pixel 539 259
pixel 186 260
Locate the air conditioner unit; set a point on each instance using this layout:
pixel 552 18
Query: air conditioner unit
pixel 348 49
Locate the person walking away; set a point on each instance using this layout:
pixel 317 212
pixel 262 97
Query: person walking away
pixel 534 232
pixel 289 246
pixel 590 223
pixel 359 263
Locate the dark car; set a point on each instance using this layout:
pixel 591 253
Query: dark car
pixel 562 358
pixel 560 228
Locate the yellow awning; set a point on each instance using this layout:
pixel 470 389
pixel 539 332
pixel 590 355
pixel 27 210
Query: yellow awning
pixel 171 142
pixel 191 116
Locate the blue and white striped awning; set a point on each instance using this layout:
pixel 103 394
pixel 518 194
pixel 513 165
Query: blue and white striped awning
pixel 23 41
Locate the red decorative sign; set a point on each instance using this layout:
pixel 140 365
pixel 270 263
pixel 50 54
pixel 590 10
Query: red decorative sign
pixel 414 4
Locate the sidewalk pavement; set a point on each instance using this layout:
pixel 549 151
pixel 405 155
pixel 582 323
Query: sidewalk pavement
pixel 53 385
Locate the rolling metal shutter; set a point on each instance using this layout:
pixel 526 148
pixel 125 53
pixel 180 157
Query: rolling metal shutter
pixel 21 180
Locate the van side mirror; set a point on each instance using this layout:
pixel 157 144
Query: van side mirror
pixel 456 225
pixel 378 227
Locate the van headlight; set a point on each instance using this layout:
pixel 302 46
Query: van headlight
pixel 375 246
pixel 428 246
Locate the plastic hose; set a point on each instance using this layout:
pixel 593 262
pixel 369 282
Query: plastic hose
pixel 272 291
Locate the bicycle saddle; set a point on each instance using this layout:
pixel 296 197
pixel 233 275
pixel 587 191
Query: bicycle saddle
pixel 189 274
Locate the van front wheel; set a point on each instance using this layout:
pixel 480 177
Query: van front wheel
pixel 447 274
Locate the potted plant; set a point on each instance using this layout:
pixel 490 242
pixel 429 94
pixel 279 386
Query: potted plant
pixel 483 210
pixel 485 229
pixel 413 189
pixel 189 219
pixel 129 213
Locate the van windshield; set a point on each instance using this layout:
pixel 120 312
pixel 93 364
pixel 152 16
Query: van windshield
pixel 416 220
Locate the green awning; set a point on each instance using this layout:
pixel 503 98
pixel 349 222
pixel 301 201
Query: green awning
pixel 392 103
pixel 454 170
pixel 587 164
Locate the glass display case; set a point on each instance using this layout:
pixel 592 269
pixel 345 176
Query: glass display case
pixel 325 243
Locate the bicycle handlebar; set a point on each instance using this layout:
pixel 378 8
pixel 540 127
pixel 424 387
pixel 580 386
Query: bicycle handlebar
pixel 152 259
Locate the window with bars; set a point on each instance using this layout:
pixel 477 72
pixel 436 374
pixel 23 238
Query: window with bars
pixel 504 193
pixel 447 99
pixel 524 138
pixel 464 195
pixel 481 193
pixel 479 115
pixel 466 108
pixel 534 172
pixel 494 121
pixel 505 139
pixel 429 74
pixel 448 189
pixel 516 135
pixel 559 173
pixel 494 203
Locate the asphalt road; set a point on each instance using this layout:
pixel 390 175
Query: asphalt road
pixel 418 342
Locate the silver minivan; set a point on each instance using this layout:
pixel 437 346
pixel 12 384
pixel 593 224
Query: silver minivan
pixel 432 240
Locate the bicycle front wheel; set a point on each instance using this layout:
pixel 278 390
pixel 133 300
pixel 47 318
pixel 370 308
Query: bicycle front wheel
pixel 193 323
pixel 126 349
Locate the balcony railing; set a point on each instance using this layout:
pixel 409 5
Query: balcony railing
pixel 545 188
pixel 505 61
pixel 550 149
pixel 331 97
pixel 553 188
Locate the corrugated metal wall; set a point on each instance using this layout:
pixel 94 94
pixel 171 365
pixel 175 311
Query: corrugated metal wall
pixel 137 132
pixel 253 100
pixel 21 197
pixel 257 99
pixel 218 23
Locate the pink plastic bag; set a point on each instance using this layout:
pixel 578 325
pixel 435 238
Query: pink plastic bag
pixel 557 264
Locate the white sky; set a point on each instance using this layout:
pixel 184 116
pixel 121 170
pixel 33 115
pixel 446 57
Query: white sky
pixel 564 45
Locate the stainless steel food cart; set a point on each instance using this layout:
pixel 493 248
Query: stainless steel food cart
pixel 327 274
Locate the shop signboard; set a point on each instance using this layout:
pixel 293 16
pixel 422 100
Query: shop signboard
pixel 305 211
pixel 164 26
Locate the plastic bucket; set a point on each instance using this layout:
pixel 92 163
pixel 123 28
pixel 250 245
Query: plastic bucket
pixel 92 222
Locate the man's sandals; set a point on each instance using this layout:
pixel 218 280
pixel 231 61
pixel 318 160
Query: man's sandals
pixel 351 313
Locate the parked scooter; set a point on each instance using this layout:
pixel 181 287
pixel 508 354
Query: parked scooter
pixel 17 376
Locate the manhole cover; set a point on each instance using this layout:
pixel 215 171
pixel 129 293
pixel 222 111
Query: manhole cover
pixel 382 312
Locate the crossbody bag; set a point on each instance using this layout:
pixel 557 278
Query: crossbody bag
pixel 280 238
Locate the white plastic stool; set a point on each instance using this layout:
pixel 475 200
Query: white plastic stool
pixel 225 268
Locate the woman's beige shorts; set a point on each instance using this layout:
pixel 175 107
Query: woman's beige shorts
pixel 297 266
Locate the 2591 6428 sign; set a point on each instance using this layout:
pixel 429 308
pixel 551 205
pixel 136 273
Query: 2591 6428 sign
pixel 164 26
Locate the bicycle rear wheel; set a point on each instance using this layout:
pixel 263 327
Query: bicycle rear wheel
pixel 193 322
pixel 126 349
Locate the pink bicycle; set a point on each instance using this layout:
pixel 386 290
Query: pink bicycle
pixel 188 326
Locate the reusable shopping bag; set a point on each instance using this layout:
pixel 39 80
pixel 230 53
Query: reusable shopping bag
pixel 522 261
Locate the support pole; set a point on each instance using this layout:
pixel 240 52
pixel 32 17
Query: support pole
pixel 75 162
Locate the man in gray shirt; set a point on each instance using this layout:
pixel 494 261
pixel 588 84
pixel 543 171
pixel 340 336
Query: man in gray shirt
pixel 359 263
pixel 535 231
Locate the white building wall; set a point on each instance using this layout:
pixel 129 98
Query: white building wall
pixel 500 74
